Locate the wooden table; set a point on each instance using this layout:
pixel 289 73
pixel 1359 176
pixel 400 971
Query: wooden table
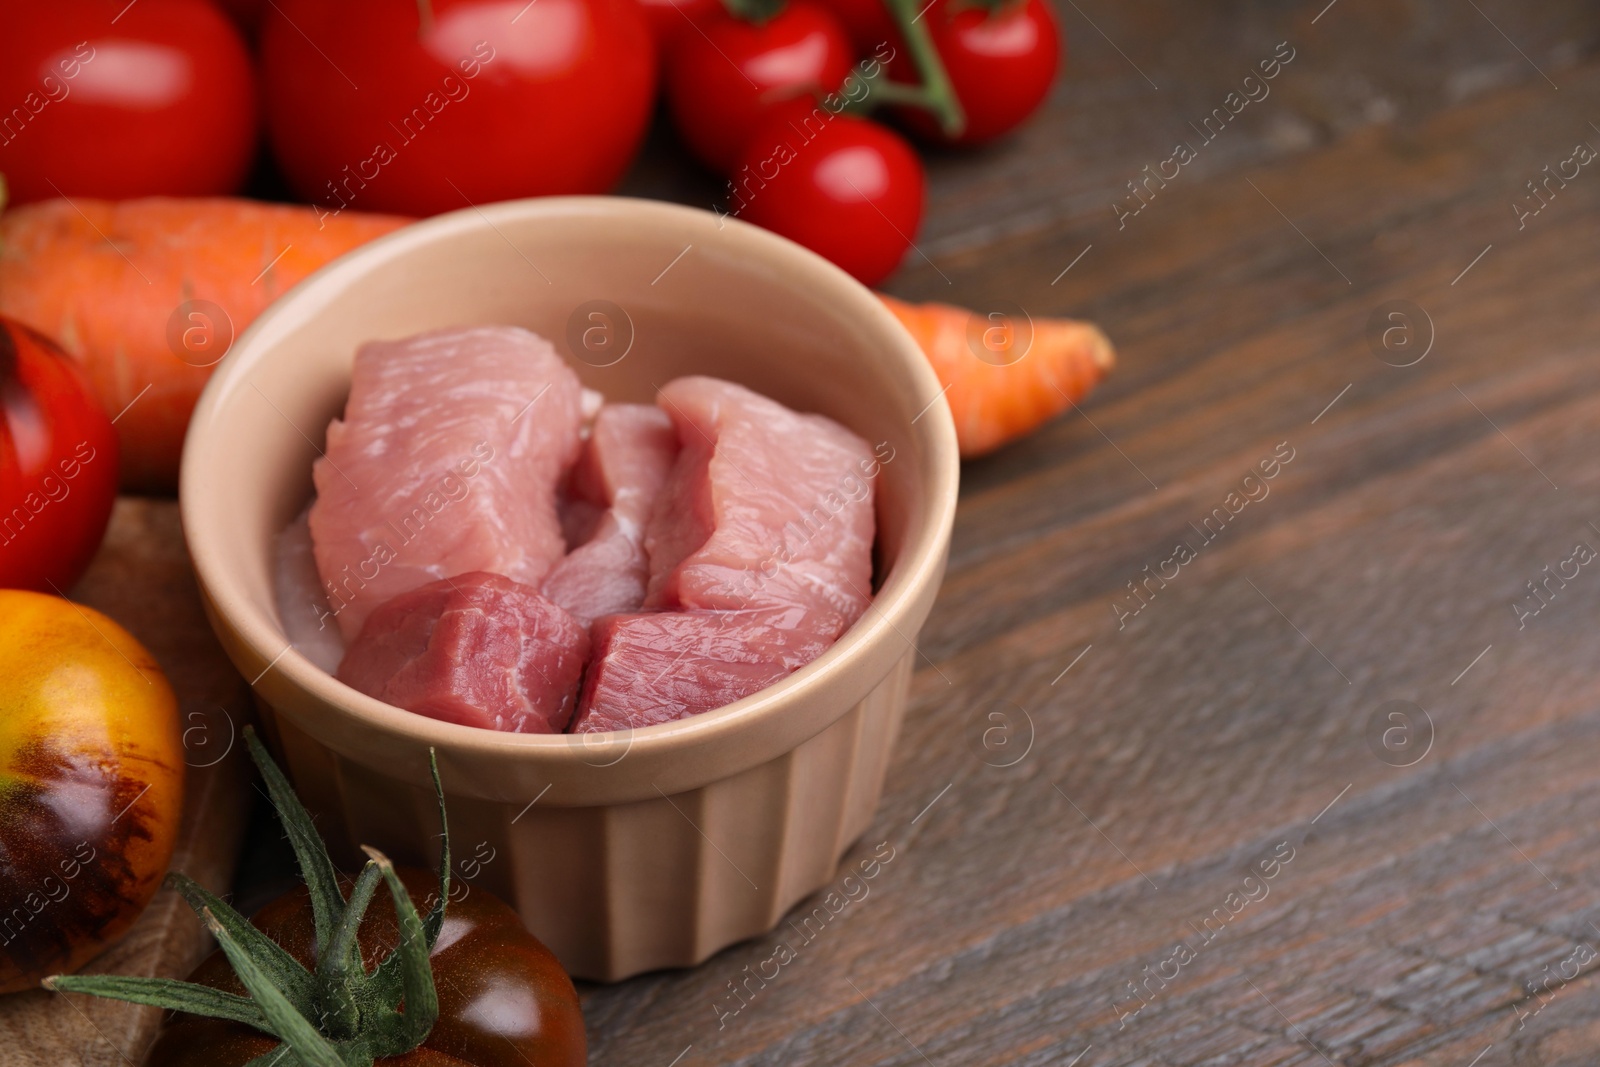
pixel 1145 775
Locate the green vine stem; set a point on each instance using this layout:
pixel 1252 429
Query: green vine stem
pixel 935 94
pixel 756 11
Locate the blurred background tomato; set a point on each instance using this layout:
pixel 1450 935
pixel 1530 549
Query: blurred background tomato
pixel 159 99
pixel 388 105
pixel 58 464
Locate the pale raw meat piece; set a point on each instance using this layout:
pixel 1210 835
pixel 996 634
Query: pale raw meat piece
pixel 764 507
pixel 446 461
pixel 663 666
pixel 760 549
pixel 622 467
pixel 626 460
pixel 308 622
pixel 478 649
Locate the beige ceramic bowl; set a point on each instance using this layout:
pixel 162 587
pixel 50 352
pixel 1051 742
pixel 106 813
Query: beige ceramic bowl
pixel 623 853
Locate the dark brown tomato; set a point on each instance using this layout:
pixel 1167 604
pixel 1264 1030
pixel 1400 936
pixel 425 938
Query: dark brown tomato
pixel 504 1000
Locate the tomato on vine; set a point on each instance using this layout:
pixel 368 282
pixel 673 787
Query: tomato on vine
pixel 843 186
pixel 668 18
pixel 1000 58
pixel 723 81
pixel 870 23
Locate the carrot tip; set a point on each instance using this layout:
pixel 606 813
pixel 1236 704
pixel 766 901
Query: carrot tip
pixel 1105 356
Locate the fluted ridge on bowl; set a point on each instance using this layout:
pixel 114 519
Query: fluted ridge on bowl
pixel 653 884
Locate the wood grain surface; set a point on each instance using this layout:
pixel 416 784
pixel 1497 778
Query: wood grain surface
pixel 1080 790
pixel 1330 794
pixel 142 578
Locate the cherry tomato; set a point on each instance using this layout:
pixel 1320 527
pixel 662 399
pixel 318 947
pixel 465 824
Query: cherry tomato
pixel 392 105
pixel 247 13
pixel 1001 62
pixel 58 464
pixel 91 784
pixel 504 1000
pixel 868 22
pixel 723 81
pixel 668 18
pixel 159 100
pixel 846 188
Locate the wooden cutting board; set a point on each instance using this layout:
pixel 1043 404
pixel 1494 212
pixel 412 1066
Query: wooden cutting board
pixel 142 578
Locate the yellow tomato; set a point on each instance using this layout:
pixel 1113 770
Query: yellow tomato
pixel 91 784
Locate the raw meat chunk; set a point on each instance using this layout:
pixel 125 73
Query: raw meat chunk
pixel 446 461
pixel 760 548
pixel 662 666
pixel 307 620
pixel 478 649
pixel 764 507
pixel 621 469
pixel 626 460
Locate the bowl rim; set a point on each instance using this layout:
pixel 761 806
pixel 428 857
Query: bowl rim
pixel 899 603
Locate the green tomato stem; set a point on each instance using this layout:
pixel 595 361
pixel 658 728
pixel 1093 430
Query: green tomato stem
pixel 756 11
pixel 322 880
pixel 435 919
pixel 339 971
pixel 342 957
pixel 283 1018
pixel 880 90
pixel 286 973
pixel 938 95
pixel 164 993
pixel 416 972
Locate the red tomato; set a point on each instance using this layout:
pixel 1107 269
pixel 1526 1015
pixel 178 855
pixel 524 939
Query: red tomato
pixel 668 18
pixel 723 81
pixel 58 464
pixel 391 105
pixel 868 22
pixel 247 13
pixel 844 187
pixel 159 100
pixel 1001 62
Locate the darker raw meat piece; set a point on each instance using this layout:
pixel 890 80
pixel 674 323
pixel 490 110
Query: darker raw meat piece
pixel 477 649
pixel 657 667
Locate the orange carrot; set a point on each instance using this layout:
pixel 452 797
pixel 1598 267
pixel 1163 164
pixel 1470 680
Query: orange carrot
pixel 1002 384
pixel 148 294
